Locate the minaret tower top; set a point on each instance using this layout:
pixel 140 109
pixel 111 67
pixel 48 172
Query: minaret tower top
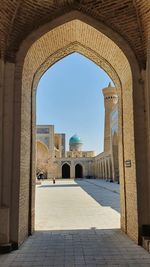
pixel 110 100
pixel 110 96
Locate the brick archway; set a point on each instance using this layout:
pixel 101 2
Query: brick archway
pixel 44 47
pixel 65 170
pixel 42 155
pixel 78 171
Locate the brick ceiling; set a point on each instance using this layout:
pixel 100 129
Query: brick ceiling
pixel 130 18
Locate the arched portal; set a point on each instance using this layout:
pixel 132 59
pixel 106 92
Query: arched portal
pixel 42 155
pixel 66 171
pixel 111 52
pixel 78 171
pixel 115 156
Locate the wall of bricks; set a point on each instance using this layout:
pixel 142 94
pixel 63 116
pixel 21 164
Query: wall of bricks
pixel 18 88
pixel 129 18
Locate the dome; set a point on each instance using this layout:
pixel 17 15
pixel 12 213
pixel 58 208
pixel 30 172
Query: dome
pixel 75 139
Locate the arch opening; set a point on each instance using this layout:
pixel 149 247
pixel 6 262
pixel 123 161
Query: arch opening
pixel 115 156
pixel 42 155
pixel 66 171
pixel 78 171
pixel 119 74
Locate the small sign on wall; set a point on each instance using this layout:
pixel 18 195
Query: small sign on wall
pixel 128 163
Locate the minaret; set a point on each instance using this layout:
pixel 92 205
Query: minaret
pixel 110 100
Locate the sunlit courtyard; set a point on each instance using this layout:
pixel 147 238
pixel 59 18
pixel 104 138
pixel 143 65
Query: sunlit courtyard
pixel 80 204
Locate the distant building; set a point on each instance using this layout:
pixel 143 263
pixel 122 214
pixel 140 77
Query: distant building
pixel 54 160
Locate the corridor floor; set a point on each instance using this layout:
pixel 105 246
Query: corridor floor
pixel 77 224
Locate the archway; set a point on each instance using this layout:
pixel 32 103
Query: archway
pixel 110 163
pixel 32 61
pixel 115 156
pixel 120 74
pixel 65 171
pixel 78 171
pixel 42 155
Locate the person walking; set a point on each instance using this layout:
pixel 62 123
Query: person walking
pixel 54 180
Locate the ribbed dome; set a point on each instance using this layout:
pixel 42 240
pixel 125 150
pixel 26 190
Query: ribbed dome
pixel 75 139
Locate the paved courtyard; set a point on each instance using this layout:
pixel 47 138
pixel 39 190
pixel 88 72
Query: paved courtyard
pixel 70 205
pixel 77 224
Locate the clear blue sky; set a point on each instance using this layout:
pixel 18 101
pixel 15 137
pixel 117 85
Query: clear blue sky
pixel 69 96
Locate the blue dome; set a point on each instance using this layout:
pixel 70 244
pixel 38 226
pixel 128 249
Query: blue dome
pixel 75 139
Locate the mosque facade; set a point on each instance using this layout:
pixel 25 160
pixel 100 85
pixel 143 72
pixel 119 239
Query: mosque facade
pixel 54 161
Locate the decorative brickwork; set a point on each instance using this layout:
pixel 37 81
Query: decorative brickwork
pixel 114 35
pixel 127 17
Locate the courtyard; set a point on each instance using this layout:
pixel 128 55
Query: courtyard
pixel 76 205
pixel 77 224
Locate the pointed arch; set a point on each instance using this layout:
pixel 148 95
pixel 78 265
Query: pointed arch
pixel 78 171
pixel 65 170
pixel 44 47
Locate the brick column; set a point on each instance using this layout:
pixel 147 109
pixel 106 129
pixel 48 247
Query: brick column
pixel 7 70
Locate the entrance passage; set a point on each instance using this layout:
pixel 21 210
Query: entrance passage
pixel 78 171
pixel 65 171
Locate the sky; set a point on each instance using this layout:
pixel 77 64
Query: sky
pixel 69 96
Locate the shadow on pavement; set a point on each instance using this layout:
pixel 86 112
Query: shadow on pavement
pixel 99 194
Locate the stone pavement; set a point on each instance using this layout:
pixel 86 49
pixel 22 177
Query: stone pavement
pixel 114 187
pixel 77 224
pixel 69 205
